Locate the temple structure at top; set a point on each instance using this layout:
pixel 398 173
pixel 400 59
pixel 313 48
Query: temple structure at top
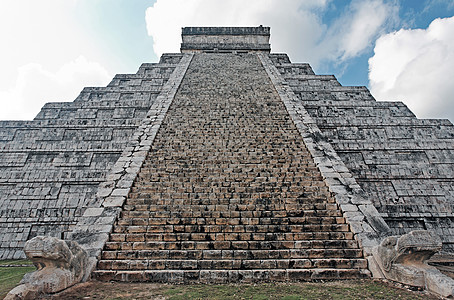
pixel 225 39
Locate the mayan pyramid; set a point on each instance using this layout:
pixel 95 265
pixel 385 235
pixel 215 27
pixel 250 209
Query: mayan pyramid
pixel 225 162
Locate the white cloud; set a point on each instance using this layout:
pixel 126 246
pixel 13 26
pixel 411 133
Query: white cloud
pixel 417 67
pixel 368 18
pixel 356 28
pixel 290 20
pixel 296 25
pixel 46 55
pixel 35 86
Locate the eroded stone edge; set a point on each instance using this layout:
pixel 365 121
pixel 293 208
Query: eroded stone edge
pixel 365 221
pixel 93 228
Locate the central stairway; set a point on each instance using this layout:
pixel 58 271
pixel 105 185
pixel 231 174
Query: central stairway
pixel 229 192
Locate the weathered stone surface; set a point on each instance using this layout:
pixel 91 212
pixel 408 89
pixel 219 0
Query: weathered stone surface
pixel 438 283
pixel 60 264
pixel 404 259
pixel 413 248
pixel 225 39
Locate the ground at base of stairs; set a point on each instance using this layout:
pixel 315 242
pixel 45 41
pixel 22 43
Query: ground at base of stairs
pixel 346 289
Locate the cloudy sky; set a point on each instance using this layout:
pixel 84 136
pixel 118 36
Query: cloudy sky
pixel 401 49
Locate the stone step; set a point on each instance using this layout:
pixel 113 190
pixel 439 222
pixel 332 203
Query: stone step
pixel 230 276
pixel 166 211
pixel 163 242
pixel 201 231
pixel 204 253
pixel 212 231
pixel 274 239
pixel 291 209
pixel 295 228
pixel 313 195
pixel 227 183
pixel 222 218
pixel 230 264
pixel 236 204
pixel 210 179
pixel 302 236
pixel 216 254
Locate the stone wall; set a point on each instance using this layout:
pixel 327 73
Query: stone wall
pixel 50 168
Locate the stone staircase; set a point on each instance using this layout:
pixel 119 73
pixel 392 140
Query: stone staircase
pixel 229 192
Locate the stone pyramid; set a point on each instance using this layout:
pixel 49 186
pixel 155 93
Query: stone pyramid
pixel 225 163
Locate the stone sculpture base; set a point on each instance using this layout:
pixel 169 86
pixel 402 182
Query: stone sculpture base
pixel 404 259
pixel 60 264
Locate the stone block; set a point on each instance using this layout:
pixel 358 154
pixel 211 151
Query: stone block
pixel 114 201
